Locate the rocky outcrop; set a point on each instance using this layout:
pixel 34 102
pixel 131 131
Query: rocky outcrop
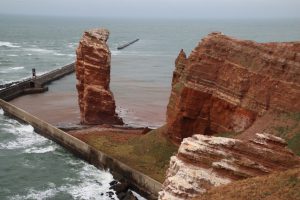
pixel 225 84
pixel 203 162
pixel 96 101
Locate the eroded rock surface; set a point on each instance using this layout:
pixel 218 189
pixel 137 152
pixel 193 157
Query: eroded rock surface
pixel 203 162
pixel 96 101
pixel 225 84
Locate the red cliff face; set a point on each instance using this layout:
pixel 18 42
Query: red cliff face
pixel 225 84
pixel 96 101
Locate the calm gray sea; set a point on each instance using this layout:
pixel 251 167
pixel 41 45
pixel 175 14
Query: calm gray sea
pixel 32 167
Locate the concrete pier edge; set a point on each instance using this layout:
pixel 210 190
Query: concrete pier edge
pixel 138 181
pixel 35 84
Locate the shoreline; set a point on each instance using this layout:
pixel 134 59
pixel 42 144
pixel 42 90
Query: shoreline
pixel 60 109
pixel 140 182
pixel 59 106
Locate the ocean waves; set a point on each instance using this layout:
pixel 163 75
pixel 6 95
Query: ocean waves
pixel 22 137
pixel 17 59
pixel 77 179
pixel 11 69
pixel 25 139
pixel 8 44
pixel 38 50
pixel 91 184
pixel 15 50
pixel 44 170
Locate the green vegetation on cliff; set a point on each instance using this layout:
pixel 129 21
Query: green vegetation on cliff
pixel 149 153
pixel 277 186
pixel 290 130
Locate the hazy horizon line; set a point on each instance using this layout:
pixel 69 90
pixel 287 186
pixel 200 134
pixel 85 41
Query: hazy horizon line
pixel 148 18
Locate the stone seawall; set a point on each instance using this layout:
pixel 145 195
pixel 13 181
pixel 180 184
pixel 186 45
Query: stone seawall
pixel 138 181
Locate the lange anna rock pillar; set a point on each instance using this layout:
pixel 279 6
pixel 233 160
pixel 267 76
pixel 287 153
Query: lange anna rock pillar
pixel 96 101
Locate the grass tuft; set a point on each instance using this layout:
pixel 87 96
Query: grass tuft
pixel 278 186
pixel 149 153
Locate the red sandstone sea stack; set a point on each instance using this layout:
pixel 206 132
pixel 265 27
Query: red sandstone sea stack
pixel 96 101
pixel 225 84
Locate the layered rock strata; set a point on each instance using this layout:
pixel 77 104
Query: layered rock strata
pixel 225 84
pixel 203 162
pixel 96 101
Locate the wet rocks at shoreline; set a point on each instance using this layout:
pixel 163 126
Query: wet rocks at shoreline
pixel 122 190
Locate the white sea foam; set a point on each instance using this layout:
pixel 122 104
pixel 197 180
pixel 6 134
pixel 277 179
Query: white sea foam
pixel 12 55
pixel 122 112
pixel 73 162
pixel 1 111
pixel 40 50
pixel 44 51
pixel 115 53
pixel 59 54
pixel 8 44
pixel 36 194
pixel 72 45
pixel 43 149
pixel 93 184
pixel 16 68
pixel 130 119
pixel 62 54
pixel 26 138
pixel 11 69
pixel 24 129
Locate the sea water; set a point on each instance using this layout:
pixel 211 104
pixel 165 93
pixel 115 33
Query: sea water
pixel 32 167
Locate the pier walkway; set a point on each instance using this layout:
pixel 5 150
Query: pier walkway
pixel 33 84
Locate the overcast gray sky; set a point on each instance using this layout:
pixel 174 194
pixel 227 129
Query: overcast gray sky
pixel 155 8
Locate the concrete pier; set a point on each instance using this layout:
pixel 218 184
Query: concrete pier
pixel 34 84
pixel 138 181
pixel 127 44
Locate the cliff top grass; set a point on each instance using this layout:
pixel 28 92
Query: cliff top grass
pixel 149 153
pixel 278 186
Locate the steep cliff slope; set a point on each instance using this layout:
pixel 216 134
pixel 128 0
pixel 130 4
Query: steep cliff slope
pixel 96 101
pixel 226 84
pixel 238 89
pixel 204 162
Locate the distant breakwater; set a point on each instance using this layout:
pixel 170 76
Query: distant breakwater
pixel 127 44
